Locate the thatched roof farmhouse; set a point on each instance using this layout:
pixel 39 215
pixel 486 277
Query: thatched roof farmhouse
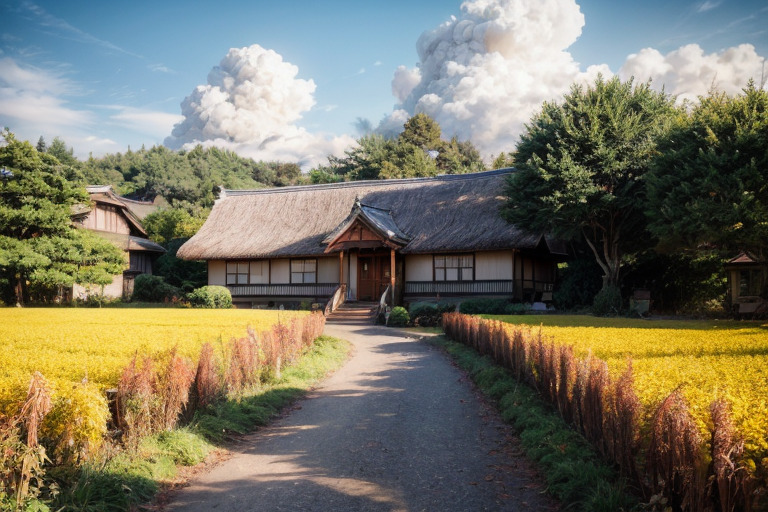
pixel 423 237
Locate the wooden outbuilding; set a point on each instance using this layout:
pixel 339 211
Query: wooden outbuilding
pixel 747 283
pixel 118 219
pixel 419 238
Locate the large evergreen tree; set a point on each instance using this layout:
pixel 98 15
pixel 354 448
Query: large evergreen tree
pixel 709 181
pixel 38 244
pixel 581 165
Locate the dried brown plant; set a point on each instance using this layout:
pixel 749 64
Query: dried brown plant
pixel 172 387
pixel 135 398
pixel 624 415
pixel 208 383
pixel 674 461
pixel 732 482
pixel 565 381
pixel 36 406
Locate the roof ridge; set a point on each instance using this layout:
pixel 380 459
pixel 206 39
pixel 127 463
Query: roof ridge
pixel 363 183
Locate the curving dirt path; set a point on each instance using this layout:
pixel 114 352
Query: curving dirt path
pixel 398 428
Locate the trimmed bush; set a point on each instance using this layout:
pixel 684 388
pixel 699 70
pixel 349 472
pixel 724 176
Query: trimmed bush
pixel 398 317
pixel 484 306
pixel 149 288
pixel 430 315
pixel 211 297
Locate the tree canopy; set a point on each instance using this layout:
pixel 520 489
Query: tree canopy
pixel 709 180
pixel 185 179
pixel 39 247
pixel 580 167
pixel 418 151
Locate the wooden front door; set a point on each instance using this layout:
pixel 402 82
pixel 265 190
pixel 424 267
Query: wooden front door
pixel 373 275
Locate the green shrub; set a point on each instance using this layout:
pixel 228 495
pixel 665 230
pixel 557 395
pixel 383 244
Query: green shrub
pixel 517 309
pixel 607 302
pixel 149 288
pixel 430 315
pixel 398 317
pixel 212 297
pixel 484 306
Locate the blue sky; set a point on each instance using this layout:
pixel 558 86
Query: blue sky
pixel 108 75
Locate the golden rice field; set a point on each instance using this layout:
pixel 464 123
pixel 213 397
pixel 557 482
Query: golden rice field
pixel 709 359
pixel 68 345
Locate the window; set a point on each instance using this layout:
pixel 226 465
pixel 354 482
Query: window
pixel 237 272
pixel 140 262
pixel 303 271
pixel 454 267
pixel 258 271
pixel 750 282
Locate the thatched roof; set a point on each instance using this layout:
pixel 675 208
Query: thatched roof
pixel 450 213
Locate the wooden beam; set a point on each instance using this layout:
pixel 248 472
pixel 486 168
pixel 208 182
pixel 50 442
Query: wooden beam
pixel 392 274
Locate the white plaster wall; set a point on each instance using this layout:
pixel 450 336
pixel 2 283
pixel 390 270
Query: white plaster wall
pixel 112 290
pixel 217 272
pixel 328 270
pixel 281 271
pixel 418 267
pixel 493 265
pixel 259 271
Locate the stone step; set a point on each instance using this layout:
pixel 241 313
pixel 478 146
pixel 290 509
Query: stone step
pixel 354 311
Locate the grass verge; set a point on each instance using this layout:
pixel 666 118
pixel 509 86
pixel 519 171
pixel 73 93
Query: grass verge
pixel 125 479
pixel 575 473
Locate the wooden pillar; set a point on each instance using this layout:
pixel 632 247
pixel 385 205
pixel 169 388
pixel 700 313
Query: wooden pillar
pixel 392 274
pixel 515 287
pixel 341 268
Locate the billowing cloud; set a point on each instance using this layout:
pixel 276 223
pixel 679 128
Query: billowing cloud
pixel 483 74
pixel 251 104
pixel 404 82
pixel 688 72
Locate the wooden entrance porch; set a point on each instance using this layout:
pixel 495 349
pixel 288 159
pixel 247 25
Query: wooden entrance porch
pixel 374 274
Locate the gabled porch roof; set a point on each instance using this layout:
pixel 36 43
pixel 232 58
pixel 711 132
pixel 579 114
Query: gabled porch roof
pixel 366 226
pixel 744 259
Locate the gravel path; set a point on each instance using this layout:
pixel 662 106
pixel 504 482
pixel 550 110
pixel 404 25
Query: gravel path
pixel 398 428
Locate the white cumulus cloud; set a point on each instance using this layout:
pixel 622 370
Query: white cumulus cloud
pixel 689 73
pixel 251 104
pixel 483 74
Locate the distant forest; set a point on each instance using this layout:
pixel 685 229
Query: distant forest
pixel 189 179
